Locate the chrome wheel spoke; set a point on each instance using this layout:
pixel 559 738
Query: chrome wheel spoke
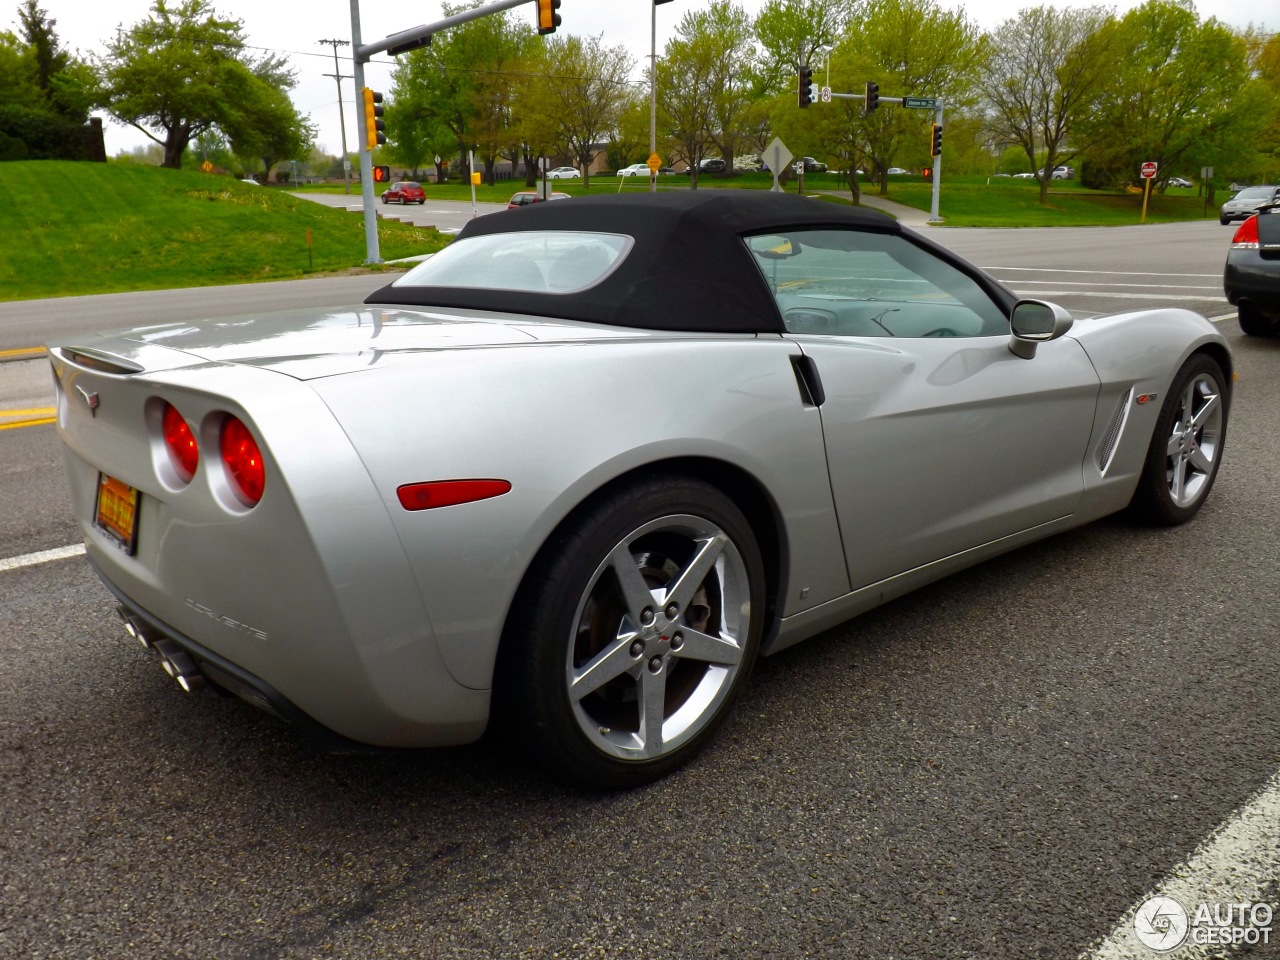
pixel 653 696
pixel 635 592
pixel 1199 461
pixel 691 577
pixel 1174 449
pixel 703 647
pixel 1178 481
pixel 1211 404
pixel 609 663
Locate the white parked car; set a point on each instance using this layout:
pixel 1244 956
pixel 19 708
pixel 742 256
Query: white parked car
pixel 635 170
pixel 564 173
pixel 896 171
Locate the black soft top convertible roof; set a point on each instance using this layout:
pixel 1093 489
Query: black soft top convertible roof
pixel 688 269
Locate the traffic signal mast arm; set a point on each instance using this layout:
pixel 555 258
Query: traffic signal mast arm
pixel 416 37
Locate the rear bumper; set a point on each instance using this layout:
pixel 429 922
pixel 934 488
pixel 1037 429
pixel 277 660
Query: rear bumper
pixel 236 680
pixel 1250 278
pixel 229 676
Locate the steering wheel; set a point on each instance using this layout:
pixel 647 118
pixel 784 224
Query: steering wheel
pixel 941 332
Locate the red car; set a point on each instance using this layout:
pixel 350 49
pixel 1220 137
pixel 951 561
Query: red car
pixel 404 191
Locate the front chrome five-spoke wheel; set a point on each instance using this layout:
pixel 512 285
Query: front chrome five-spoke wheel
pixel 1194 440
pixel 658 637
pixel 1186 445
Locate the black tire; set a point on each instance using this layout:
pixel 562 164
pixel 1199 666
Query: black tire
pixel 1192 422
pixel 384 199
pixel 1225 221
pixel 572 626
pixel 1254 324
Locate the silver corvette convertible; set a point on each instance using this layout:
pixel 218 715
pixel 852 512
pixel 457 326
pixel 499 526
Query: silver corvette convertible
pixel 578 470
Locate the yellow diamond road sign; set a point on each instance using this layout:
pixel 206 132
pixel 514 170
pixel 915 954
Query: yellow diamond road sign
pixel 654 162
pixel 207 167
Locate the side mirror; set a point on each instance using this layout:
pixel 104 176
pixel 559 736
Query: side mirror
pixel 1034 322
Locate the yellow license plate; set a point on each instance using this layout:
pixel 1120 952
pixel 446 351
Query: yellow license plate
pixel 117 511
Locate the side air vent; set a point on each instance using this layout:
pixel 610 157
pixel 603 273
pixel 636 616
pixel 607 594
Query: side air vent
pixel 1111 438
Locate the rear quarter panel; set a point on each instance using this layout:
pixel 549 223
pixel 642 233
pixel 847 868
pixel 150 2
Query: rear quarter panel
pixel 560 421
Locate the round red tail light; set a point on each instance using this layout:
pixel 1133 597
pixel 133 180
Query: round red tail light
pixel 243 460
pixel 184 452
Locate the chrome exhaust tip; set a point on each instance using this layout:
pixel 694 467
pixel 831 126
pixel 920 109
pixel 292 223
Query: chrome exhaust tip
pixel 177 663
pixel 144 634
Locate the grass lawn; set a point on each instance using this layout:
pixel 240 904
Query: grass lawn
pixel 1010 202
pixel 965 201
pixel 82 228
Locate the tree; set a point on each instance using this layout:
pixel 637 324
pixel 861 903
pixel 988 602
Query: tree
pixel 1043 76
pixel 1179 92
pixel 45 94
pixel 588 90
pixel 265 125
pixel 725 40
pixel 462 84
pixel 790 33
pixel 183 71
pixel 686 87
pixel 910 48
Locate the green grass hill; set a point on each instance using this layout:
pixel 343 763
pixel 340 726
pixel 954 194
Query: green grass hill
pixel 81 228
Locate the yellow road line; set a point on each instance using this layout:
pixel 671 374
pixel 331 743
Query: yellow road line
pixel 26 423
pixel 23 352
pixel 33 412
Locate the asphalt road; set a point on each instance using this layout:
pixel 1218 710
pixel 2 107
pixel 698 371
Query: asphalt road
pixel 998 766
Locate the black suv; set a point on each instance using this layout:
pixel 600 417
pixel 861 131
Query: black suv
pixel 712 165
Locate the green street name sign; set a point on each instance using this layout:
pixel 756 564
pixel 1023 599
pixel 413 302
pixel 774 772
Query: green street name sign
pixel 920 103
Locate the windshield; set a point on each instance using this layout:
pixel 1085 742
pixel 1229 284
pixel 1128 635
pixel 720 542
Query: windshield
pixel 1255 193
pixel 543 261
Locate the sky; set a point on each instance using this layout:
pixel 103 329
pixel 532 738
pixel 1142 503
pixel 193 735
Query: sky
pixel 295 30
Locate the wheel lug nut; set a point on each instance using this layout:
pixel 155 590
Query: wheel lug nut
pixel 677 641
pixel 672 611
pixel 637 648
pixel 655 664
pixel 646 616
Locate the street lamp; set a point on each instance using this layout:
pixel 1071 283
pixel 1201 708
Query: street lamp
pixel 653 89
pixel 825 52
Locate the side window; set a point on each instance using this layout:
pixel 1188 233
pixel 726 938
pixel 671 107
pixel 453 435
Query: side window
pixel 855 283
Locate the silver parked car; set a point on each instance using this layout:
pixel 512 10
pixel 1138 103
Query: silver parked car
pixel 577 471
pixel 1246 203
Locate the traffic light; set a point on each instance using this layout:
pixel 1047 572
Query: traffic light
pixel 548 19
pixel 872 99
pixel 374 125
pixel 806 85
pixel 381 174
pixel 935 146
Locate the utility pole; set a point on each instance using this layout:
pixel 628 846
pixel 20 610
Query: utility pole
pixel 342 121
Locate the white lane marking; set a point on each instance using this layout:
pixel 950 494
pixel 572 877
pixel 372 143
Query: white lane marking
pixel 1235 865
pixel 1107 273
pixel 1122 296
pixel 44 556
pixel 1153 286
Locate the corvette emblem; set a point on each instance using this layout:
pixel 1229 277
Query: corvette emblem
pixel 89 398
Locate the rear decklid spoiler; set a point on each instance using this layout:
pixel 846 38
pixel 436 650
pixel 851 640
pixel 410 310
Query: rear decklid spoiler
pixel 312 343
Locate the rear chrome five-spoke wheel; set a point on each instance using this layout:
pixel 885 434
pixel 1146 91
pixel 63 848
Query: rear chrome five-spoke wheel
pixel 1194 440
pixel 658 637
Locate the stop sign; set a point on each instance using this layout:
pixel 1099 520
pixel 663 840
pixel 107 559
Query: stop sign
pixel 1148 170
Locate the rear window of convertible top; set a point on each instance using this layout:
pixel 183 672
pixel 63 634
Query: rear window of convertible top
pixel 537 261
